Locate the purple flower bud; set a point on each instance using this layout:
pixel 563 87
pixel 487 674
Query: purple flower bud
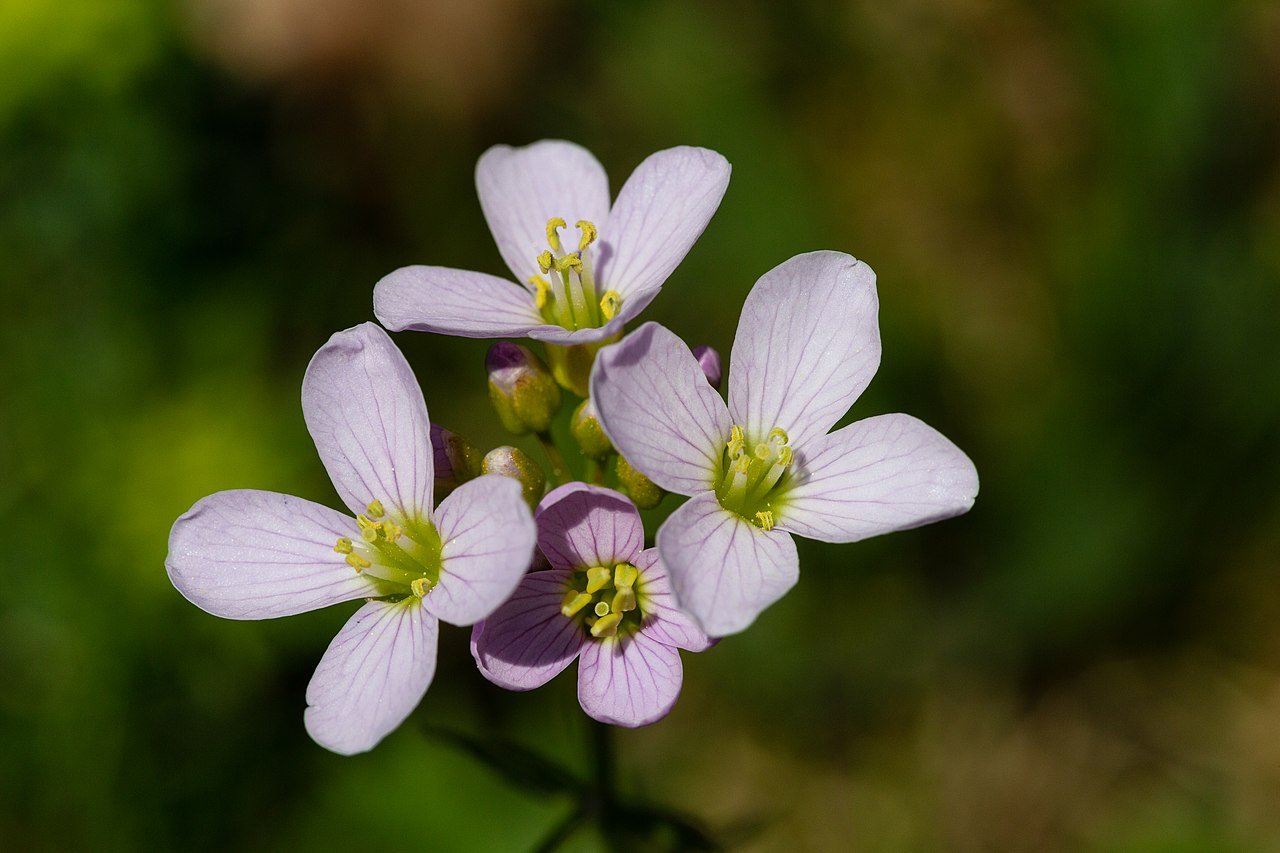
pixel 456 460
pixel 709 360
pixel 521 388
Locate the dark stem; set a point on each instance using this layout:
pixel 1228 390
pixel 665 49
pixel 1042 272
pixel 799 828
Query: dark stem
pixel 601 800
pixel 558 469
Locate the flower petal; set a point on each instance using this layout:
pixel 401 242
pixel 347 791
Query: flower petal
pixel 580 526
pixel 454 302
pixel 632 681
pixel 887 473
pixel 807 346
pixel 366 414
pixel 527 640
pixel 521 188
pixel 488 534
pixel 660 212
pixel 257 555
pixel 372 676
pixel 724 570
pixel 663 618
pixel 658 410
pixel 560 336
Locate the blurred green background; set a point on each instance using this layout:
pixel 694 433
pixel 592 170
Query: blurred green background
pixel 1074 213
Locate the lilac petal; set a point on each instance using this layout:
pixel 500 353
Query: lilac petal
pixel 580 526
pixel 660 212
pixel 366 414
pixel 709 360
pixel 527 640
pixel 258 555
pixel 807 346
pixel 521 188
pixel 454 302
pixel 887 473
pixel 631 681
pixel 658 410
pixel 488 534
pixel 372 676
pixel 724 570
pixel 563 337
pixel 663 618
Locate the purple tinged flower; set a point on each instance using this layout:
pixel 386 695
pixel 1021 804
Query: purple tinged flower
pixel 456 460
pixel 584 268
pixel 709 361
pixel 766 466
pixel 258 555
pixel 605 601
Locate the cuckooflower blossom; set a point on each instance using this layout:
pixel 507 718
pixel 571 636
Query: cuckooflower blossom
pixel 572 290
pixel 257 555
pixel 765 467
pixel 605 601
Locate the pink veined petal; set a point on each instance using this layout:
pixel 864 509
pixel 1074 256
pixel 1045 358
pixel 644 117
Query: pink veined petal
pixel 631 681
pixel 580 526
pixel 724 570
pixel 366 414
pixel 563 337
pixel 663 618
pixel 886 473
pixel 372 676
pixel 521 188
pixel 527 640
pixel 488 535
pixel 258 555
pixel 660 212
pixel 454 302
pixel 807 346
pixel 658 410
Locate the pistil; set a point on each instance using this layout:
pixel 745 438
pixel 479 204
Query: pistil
pixel 406 554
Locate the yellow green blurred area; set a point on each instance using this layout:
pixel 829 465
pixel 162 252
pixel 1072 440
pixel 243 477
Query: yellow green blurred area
pixel 1074 213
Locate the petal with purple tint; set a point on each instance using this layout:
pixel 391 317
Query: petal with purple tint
pixel 663 618
pixel 258 555
pixel 488 535
pixel 521 188
pixel 631 681
pixel 454 302
pixel 658 410
pixel 372 676
pixel 887 473
pixel 725 570
pixel 527 640
pixel 660 212
pixel 366 414
pixel 807 345
pixel 709 361
pixel 580 526
pixel 563 337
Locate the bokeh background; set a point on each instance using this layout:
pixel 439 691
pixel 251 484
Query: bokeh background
pixel 1074 213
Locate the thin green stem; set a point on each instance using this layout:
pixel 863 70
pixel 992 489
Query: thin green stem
pixel 558 469
pixel 602 798
pixel 595 472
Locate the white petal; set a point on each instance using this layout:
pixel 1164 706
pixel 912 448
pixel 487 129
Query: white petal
pixel 808 344
pixel 632 681
pixel 580 526
pixel 663 618
pixel 454 302
pixel 878 475
pixel 372 676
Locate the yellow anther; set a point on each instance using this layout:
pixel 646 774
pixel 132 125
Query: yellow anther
pixel 588 234
pixel 624 600
pixel 780 434
pixel 606 626
pixel 420 586
pixel 736 434
pixel 574 601
pixel 357 562
pixel 391 530
pixel 569 262
pixel 344 546
pixel 765 517
pixel 545 260
pixel 624 575
pixel 601 609
pixel 763 451
pixel 543 291
pixel 610 303
pixel 598 578
pixel 742 464
pixel 375 509
pixel 553 226
pixel 785 455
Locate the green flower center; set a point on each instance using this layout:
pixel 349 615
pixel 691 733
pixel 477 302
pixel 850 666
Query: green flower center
pixel 404 554
pixel 605 602
pixel 565 293
pixel 753 478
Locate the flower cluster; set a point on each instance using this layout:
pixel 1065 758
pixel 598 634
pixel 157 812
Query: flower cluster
pixel 549 577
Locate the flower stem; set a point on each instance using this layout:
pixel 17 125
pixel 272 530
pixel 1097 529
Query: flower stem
pixel 595 472
pixel 602 773
pixel 558 469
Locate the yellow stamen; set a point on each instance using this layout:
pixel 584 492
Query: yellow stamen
pixel 601 609
pixel 375 509
pixel 574 601
pixel 597 578
pixel 765 517
pixel 545 260
pixel 344 546
pixel 391 530
pixel 569 262
pixel 553 226
pixel 624 575
pixel 588 234
pixel 357 562
pixel 543 292
pixel 624 600
pixel 785 455
pixel 606 626
pixel 420 586
pixel 610 303
pixel 779 433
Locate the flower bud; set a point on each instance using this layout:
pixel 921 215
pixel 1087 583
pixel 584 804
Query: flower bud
pixel 587 432
pixel 709 360
pixel 508 461
pixel 456 460
pixel 521 388
pixel 643 492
